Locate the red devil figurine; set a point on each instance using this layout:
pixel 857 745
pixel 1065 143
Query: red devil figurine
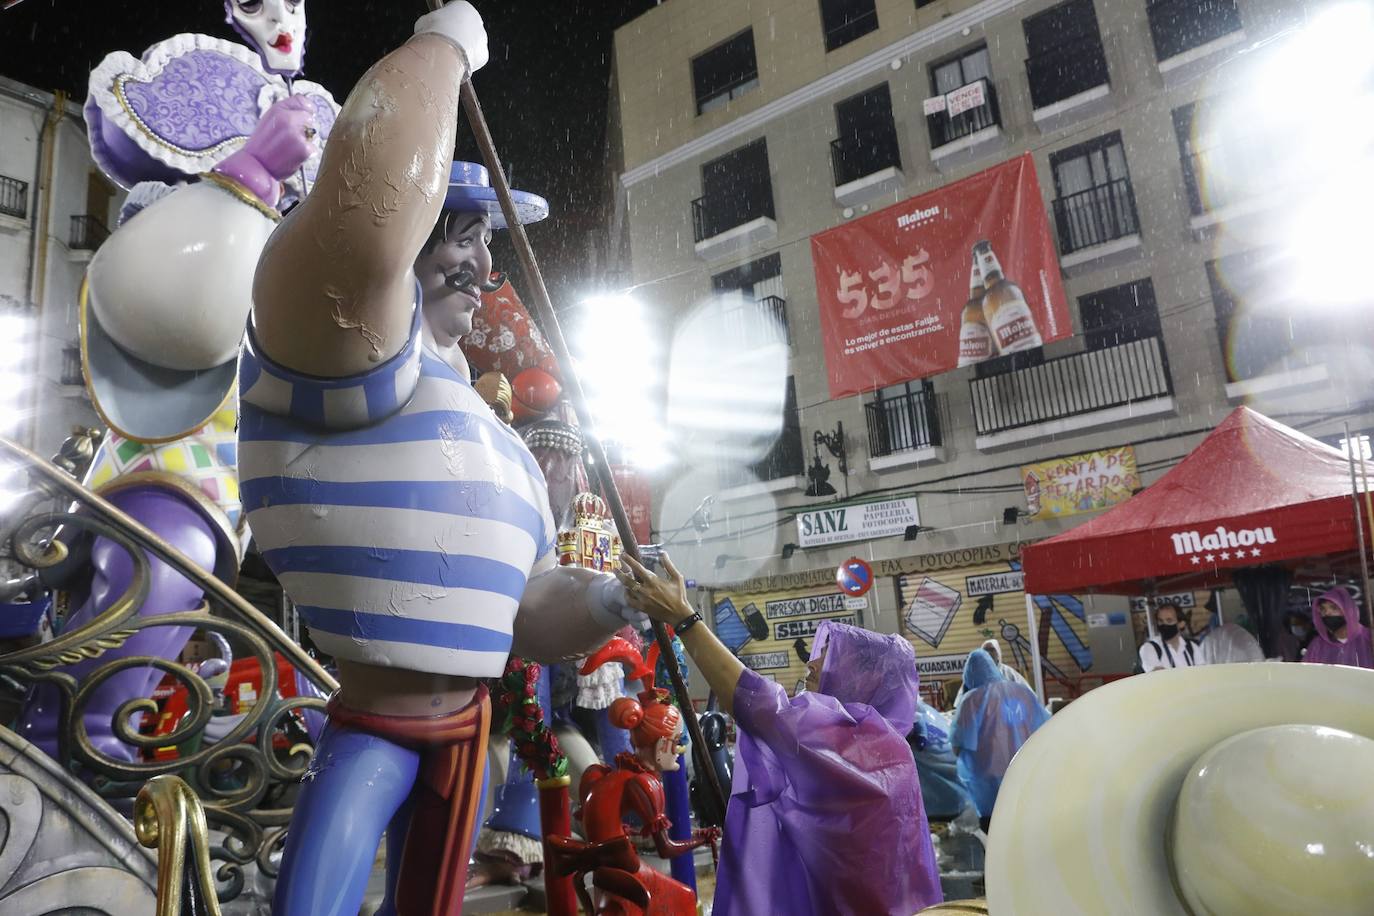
pixel 629 887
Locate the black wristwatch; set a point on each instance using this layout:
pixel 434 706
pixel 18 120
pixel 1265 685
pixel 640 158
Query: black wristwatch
pixel 682 626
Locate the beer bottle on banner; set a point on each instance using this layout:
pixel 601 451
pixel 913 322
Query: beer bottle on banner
pixel 1004 306
pixel 975 338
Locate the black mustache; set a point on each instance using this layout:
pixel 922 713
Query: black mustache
pixel 465 279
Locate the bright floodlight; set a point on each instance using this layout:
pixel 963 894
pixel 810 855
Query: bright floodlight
pixel 1307 148
pixel 727 381
pixel 620 364
pixel 12 488
pixel 16 371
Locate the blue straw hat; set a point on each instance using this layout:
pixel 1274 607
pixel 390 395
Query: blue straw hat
pixel 470 191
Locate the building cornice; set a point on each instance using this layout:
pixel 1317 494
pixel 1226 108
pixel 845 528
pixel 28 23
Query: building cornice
pixel 38 98
pixel 864 66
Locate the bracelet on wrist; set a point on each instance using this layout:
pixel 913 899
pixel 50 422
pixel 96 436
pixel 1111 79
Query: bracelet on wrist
pixel 686 623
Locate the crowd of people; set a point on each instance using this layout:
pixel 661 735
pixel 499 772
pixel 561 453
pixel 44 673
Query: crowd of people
pixel 1328 633
pixel 838 746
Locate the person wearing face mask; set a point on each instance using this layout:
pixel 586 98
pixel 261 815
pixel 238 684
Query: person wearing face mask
pixel 1172 648
pixel 1297 635
pixel 1340 638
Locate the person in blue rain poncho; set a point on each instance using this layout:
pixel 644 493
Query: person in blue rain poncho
pixel 937 768
pixel 994 720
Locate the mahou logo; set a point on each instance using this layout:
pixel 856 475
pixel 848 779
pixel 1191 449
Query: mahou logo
pixel 1189 542
pixel 917 217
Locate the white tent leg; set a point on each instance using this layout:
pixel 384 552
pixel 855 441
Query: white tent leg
pixel 1035 648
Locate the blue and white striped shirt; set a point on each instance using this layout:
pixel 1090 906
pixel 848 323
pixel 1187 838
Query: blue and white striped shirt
pixel 399 514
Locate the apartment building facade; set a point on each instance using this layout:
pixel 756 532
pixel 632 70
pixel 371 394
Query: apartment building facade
pixel 55 210
pixel 748 126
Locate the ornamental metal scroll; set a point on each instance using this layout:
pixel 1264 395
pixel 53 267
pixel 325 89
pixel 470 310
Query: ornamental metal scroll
pixel 168 817
pixel 244 783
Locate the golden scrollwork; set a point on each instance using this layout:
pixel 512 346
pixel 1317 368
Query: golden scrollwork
pixel 957 908
pixel 168 817
pixel 240 783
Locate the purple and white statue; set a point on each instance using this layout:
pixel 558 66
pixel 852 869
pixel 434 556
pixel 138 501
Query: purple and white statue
pixel 211 138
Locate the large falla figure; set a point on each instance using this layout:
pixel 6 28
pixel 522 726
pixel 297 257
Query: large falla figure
pixel 211 138
pixel 409 524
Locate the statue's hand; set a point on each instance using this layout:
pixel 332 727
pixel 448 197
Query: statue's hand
pixel 461 24
pixel 282 141
pixel 285 137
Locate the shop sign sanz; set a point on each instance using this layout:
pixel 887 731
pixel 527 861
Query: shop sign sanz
pixel 856 523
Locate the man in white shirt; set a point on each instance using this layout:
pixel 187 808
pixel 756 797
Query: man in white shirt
pixel 1172 647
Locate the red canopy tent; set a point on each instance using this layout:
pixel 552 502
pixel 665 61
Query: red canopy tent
pixel 1253 493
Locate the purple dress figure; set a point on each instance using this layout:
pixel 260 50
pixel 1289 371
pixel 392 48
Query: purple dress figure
pixel 825 813
pixel 211 138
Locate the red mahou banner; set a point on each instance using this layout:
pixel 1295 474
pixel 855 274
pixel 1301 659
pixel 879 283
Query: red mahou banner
pixel 946 279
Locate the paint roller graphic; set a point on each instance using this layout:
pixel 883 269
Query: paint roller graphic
pixel 735 629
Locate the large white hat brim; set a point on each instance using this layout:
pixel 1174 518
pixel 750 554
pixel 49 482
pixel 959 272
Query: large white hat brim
pixel 1082 817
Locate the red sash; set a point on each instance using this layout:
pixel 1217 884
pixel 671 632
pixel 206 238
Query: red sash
pixel 447 796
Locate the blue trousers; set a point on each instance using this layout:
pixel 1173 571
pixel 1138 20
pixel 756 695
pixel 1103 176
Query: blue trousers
pixel 357 787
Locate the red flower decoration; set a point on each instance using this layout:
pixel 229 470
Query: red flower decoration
pixel 515 701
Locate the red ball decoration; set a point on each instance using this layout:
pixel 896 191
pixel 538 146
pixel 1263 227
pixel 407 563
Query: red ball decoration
pixel 535 392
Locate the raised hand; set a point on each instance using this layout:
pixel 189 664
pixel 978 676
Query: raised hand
pixel 664 600
pixel 282 140
pixel 461 24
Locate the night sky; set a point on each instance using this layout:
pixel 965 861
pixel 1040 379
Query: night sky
pixel 544 92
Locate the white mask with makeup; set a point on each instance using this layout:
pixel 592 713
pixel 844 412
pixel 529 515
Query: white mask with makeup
pixel 275 29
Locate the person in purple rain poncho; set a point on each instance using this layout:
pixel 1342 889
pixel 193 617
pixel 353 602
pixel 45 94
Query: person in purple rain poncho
pixel 825 814
pixel 1340 638
pixel 994 720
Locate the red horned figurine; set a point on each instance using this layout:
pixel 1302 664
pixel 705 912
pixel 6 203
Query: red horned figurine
pixel 627 886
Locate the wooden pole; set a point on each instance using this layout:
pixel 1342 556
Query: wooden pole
pixel 553 333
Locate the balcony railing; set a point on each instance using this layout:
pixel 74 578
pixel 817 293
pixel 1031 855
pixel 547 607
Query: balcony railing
pixel 1269 341
pixel 784 459
pixel 945 128
pixel 72 373
pixel 87 233
pixel 1181 25
pixel 14 197
pixel 1238 170
pixel 1097 215
pixel 748 200
pixel 851 30
pixel 731 90
pixel 903 423
pixel 757 323
pixel 1072 385
pixel 864 152
pixel 1066 70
